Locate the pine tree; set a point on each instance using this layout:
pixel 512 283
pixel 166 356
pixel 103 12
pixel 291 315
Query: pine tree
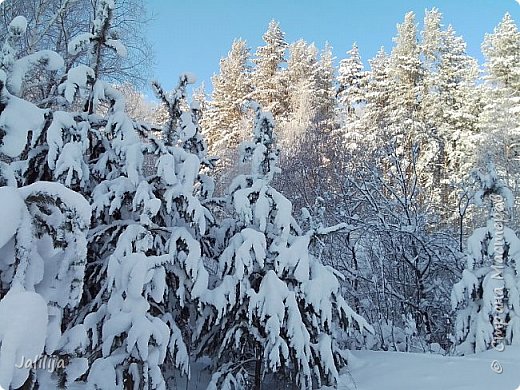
pixel 325 89
pixel 306 132
pixel 373 132
pixel 267 76
pixel 352 80
pixel 224 116
pixel 301 91
pixel 501 49
pixel 499 119
pixel 267 308
pixel 297 131
pixel 406 126
pixel 152 262
pixel 450 107
pixel 457 78
pixel 405 73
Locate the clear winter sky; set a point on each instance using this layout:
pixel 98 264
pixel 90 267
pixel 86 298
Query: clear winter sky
pixel 192 36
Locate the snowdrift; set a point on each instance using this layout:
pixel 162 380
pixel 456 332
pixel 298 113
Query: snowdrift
pixel 369 370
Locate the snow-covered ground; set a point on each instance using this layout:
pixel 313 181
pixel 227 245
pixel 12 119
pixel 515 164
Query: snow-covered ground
pixel 410 371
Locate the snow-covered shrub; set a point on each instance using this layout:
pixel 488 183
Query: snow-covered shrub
pixel 399 266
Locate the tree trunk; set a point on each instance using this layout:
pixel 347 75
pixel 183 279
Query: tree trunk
pixel 258 370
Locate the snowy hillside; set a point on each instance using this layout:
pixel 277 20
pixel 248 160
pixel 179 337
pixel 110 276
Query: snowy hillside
pixel 403 371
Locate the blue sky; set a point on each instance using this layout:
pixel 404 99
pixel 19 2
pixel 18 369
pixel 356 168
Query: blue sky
pixel 192 36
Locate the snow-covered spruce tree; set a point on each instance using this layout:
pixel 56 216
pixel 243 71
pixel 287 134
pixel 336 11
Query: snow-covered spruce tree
pixel 143 225
pixel 43 252
pixel 47 253
pixel 487 298
pixel 20 119
pixel 147 255
pixel 276 307
pixel 354 118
